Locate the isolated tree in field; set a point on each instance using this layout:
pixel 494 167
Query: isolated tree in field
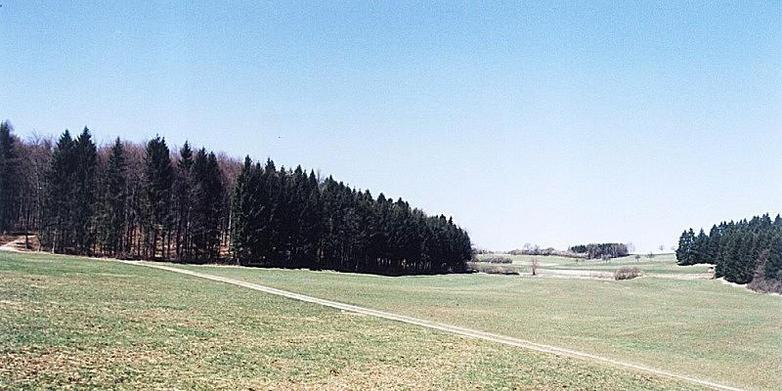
pixel 533 266
pixel 112 216
pixel 159 176
pixel 9 171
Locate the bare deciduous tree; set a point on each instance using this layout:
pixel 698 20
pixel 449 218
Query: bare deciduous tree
pixel 534 265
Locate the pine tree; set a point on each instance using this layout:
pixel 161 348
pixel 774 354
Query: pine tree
pixel 684 253
pixel 57 217
pixel 82 200
pixel 773 267
pixel 9 183
pixel 206 206
pixel 700 248
pixel 713 247
pixel 158 174
pixel 113 213
pixel 181 199
pixel 241 211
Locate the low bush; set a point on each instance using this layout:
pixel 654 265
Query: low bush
pixel 482 267
pixel 627 273
pixel 495 259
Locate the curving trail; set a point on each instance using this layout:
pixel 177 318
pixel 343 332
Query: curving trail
pixel 439 326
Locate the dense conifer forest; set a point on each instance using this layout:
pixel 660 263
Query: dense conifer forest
pixel 144 201
pixel 743 252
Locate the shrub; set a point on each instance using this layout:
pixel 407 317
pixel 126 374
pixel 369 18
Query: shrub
pixel 495 259
pixel 627 273
pixel 491 269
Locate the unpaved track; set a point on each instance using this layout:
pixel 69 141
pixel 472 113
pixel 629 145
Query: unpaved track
pixel 439 326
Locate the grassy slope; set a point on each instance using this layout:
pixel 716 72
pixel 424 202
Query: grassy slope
pixel 87 324
pixel 701 328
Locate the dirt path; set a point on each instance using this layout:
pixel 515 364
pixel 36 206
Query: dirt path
pixel 439 326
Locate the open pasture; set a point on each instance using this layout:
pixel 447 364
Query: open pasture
pixel 69 322
pixel 701 328
pixel 661 265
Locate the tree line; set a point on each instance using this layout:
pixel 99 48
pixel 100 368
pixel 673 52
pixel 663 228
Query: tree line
pixel 743 252
pixel 144 201
pixel 600 250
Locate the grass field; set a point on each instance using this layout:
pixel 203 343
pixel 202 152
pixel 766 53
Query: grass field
pixel 701 328
pixel 70 322
pixel 659 265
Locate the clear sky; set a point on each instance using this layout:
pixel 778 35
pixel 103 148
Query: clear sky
pixel 542 122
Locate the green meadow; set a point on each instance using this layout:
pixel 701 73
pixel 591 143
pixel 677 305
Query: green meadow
pixel 68 322
pixel 701 328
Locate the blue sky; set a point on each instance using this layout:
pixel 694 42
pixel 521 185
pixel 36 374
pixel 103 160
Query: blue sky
pixel 542 122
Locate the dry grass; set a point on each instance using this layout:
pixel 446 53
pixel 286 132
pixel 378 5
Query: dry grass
pixel 627 273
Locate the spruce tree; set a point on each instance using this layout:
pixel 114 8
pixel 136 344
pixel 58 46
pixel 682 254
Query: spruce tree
pixel 713 247
pixel 700 248
pixel 82 201
pixel 158 174
pixel 57 217
pixel 113 223
pixel 240 212
pixel 9 183
pixel 773 267
pixel 181 199
pixel 684 253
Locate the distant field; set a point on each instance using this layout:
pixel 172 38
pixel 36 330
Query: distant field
pixel 660 264
pixel 701 328
pixel 77 323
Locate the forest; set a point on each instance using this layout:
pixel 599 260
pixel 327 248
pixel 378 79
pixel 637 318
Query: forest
pixel 143 201
pixel 743 252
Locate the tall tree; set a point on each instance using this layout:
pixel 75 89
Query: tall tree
pixel 82 200
pixel 113 214
pixel 183 186
pixel 58 224
pixel 159 177
pixel 206 210
pixel 9 183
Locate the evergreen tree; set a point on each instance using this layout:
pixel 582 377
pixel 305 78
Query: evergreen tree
pixel 113 213
pixel 773 267
pixel 713 247
pixel 206 206
pixel 686 248
pixel 700 248
pixel 9 183
pixel 82 200
pixel 183 188
pixel 158 174
pixel 57 221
